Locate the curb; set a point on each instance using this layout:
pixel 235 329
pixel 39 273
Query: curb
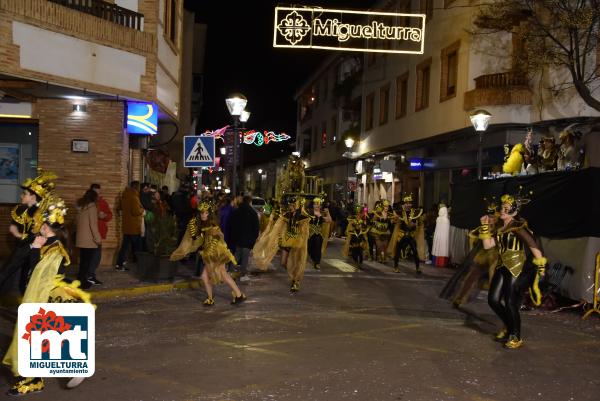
pixel 127 292
pixel 133 292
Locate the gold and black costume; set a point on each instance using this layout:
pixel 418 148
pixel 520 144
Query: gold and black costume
pixel 404 233
pixel 381 225
pixel 27 221
pixel 517 270
pixel 318 234
pixel 480 262
pixel 290 233
pixel 207 239
pixel 357 241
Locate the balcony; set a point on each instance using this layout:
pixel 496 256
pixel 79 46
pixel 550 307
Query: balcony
pixel 507 88
pixel 91 20
pixel 106 11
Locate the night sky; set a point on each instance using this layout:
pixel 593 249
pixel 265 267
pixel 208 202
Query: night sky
pixel 240 58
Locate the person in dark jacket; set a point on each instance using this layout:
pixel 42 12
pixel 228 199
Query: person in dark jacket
pixel 244 230
pixel 180 205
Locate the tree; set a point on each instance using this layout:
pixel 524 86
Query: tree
pixel 552 34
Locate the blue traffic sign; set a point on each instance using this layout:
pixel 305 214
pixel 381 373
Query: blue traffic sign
pixel 198 151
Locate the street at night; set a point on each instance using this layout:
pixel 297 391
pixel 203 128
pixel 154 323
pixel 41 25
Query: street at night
pixel 346 335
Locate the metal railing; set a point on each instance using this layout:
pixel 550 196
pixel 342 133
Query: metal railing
pixel 501 80
pixel 106 11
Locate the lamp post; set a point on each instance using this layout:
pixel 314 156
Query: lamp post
pixel 480 120
pixel 243 119
pixel 235 104
pixel 349 142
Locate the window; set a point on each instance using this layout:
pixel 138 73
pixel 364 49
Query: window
pixel 401 95
pixel 306 145
pixel 369 111
pixel 423 80
pixel 333 136
pixel 427 9
pixel 170 21
pixel 384 104
pixel 324 134
pixel 449 58
pixel 18 155
pixel 314 138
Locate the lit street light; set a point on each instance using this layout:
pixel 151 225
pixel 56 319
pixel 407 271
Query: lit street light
pixel 480 120
pixel 236 104
pixel 349 142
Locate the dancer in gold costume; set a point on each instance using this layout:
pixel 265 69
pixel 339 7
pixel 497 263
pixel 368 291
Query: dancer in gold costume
pixel 204 236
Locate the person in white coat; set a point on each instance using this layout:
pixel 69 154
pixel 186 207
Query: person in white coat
pixel 441 237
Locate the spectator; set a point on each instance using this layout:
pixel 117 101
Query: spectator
pixel 224 216
pixel 180 204
pixel 132 214
pixel 165 196
pixel 244 232
pixel 104 216
pixel 88 236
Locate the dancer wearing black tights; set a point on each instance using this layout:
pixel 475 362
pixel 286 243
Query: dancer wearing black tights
pixel 517 270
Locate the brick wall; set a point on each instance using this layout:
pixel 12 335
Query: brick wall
pixel 105 163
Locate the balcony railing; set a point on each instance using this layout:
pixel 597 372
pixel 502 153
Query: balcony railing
pixel 106 11
pixel 501 80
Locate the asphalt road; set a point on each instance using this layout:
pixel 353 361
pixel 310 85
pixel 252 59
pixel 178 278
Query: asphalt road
pixel 347 335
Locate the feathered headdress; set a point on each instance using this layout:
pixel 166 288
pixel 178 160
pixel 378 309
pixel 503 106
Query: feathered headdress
pixel 52 211
pixel 204 206
pixel 517 200
pixel 407 198
pixel 41 185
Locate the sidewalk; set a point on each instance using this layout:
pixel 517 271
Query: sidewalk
pixel 116 284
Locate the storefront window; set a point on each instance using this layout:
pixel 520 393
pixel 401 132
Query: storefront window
pixel 18 158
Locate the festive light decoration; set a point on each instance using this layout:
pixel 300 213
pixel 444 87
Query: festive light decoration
pixel 263 138
pixel 251 137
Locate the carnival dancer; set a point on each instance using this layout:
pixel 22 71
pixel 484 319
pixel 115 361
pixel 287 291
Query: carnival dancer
pixel 23 227
pixel 517 270
pixel 370 235
pixel 481 260
pixel 290 232
pixel 46 257
pixel 204 236
pixel 404 232
pixel 356 238
pixel 381 224
pixel 318 232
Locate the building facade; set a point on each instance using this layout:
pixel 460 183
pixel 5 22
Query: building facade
pixel 67 72
pixel 409 113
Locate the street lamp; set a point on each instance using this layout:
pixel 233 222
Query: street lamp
pixel 236 104
pixel 260 171
pixel 349 142
pixel 243 119
pixel 480 120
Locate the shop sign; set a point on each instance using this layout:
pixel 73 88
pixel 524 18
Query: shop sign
pixel 142 118
pixel 364 31
pixel 418 164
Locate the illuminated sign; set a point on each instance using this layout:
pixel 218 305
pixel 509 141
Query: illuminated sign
pixel 418 164
pixel 142 118
pixel 364 31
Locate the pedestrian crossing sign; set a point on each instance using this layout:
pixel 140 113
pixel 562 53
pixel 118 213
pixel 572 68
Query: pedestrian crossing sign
pixel 198 151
